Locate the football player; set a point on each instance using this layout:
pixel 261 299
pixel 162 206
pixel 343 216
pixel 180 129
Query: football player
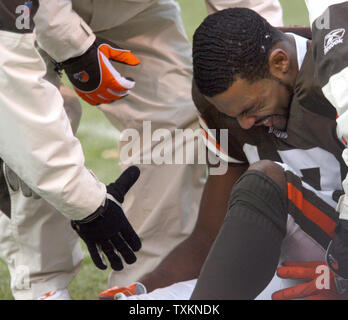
pixel 264 88
pixel 80 36
pixel 261 85
pixel 328 24
pixel 330 48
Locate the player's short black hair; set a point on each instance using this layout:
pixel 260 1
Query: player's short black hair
pixel 230 43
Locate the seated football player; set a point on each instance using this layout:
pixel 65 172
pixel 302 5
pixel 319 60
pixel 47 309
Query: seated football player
pixel 265 82
pixel 260 84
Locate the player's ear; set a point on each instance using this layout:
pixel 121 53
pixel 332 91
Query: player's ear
pixel 279 63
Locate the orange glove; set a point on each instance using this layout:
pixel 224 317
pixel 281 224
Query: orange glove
pixel 312 289
pixel 118 293
pixel 93 76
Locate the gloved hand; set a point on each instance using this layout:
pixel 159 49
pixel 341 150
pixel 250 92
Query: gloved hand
pixel 93 76
pixel 337 251
pixel 16 183
pixel 314 288
pixel 121 293
pixel 107 229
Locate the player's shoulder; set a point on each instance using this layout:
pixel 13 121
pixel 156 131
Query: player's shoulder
pixel 308 90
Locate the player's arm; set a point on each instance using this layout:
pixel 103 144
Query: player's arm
pixel 85 58
pixel 330 51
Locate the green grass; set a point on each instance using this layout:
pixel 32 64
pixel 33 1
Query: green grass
pixel 5 292
pixel 295 12
pixel 89 281
pixel 99 142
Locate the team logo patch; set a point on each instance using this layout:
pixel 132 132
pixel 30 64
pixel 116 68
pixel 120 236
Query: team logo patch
pixel 332 39
pixel 82 76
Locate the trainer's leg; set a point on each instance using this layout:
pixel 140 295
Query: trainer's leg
pixel 38 244
pixel 41 250
pixel 245 255
pixel 163 205
pixel 269 9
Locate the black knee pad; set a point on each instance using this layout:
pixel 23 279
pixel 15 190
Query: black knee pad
pixel 264 200
pixel 273 170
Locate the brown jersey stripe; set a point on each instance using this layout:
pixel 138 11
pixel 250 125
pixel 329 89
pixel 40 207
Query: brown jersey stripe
pixel 311 212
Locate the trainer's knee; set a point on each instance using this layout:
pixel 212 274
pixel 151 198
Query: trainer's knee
pixel 273 171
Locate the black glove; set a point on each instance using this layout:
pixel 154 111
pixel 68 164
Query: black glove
pixel 108 229
pixel 337 251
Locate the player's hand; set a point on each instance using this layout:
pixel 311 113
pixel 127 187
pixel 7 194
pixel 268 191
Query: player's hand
pixel 321 283
pixel 107 230
pixel 337 251
pixel 93 76
pixel 121 293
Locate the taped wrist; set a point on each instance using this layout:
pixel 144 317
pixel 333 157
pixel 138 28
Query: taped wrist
pixel 265 200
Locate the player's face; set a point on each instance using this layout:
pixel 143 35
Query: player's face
pixel 262 103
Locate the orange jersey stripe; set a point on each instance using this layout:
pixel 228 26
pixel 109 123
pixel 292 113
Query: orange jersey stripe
pixel 212 140
pixel 310 211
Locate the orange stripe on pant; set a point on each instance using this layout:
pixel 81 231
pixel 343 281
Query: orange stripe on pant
pixel 310 211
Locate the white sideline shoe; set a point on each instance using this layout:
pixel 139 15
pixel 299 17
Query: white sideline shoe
pixel 56 295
